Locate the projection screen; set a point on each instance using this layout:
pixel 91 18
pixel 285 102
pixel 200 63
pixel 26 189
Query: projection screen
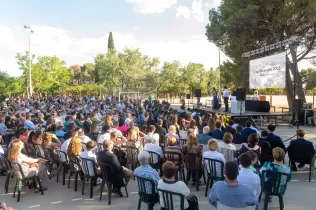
pixel 268 72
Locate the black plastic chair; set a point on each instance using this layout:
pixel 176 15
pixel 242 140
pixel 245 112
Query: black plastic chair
pixel 75 168
pixel 20 178
pixel 154 156
pixel 107 173
pixel 170 156
pixel 167 198
pixel 5 165
pixel 211 166
pixel 151 198
pixel 183 142
pixel 64 165
pixel 87 174
pixel 271 186
pixel 132 156
pixel 191 167
pixel 48 152
pixel 311 164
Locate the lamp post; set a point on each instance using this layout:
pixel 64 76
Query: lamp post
pixel 30 30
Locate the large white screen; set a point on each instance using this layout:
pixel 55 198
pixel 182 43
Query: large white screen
pixel 268 72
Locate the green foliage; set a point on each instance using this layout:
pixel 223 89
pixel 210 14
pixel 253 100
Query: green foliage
pixel 10 85
pixel 309 78
pixel 111 46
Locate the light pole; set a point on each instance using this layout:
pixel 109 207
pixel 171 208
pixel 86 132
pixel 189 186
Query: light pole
pixel 30 30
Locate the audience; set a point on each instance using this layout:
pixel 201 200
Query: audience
pixel 172 132
pixel 248 130
pixel 227 148
pixel 204 137
pixel 300 151
pixel 213 154
pixel 120 172
pixel 105 134
pixel 218 133
pixel 230 192
pixel 274 140
pixel 154 147
pixel 211 125
pixel 161 131
pixel 266 150
pixel 252 145
pixel 169 183
pixel 88 154
pixel 238 138
pixel 229 128
pixel 172 147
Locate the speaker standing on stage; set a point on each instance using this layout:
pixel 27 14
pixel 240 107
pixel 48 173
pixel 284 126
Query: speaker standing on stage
pixel 226 96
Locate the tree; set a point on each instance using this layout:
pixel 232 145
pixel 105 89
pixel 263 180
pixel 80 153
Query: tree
pixel 309 78
pixel 111 46
pixel 194 77
pixel 240 26
pixel 76 70
pixel 10 85
pixel 87 73
pixel 23 62
pixel 170 77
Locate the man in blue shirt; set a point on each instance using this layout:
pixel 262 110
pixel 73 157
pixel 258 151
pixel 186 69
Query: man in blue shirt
pixel 205 137
pixel 248 130
pixel 274 140
pixel 218 133
pixel 230 192
pixel 29 124
pixel 147 172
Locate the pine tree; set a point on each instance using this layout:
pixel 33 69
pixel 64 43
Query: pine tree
pixel 111 43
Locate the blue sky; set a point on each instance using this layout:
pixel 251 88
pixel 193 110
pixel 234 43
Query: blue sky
pixel 77 30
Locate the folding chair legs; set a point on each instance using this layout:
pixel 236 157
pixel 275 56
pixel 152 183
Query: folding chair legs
pixel 281 202
pixel 310 173
pixel 40 185
pixel 197 180
pixel 266 201
pixel 110 193
pixel 150 206
pixel 207 185
pixel 7 180
pixel 83 182
pixel 92 180
pixel 139 204
pixel 58 170
pixel 76 181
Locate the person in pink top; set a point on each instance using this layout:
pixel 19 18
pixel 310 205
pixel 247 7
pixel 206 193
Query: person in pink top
pixel 123 128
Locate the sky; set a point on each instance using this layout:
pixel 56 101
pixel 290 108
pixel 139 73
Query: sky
pixel 77 30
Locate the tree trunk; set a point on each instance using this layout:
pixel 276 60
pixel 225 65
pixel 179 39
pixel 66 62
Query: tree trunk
pixel 288 86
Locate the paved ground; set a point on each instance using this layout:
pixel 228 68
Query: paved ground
pixel 300 193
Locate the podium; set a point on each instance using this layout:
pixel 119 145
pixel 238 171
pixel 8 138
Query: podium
pixel 238 107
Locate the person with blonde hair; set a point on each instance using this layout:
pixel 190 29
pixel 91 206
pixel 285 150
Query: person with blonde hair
pixel 30 166
pixel 49 146
pixel 173 147
pixel 133 141
pixel 225 147
pixel 172 132
pixel 108 120
pixel 193 146
pixel 211 124
pixel 212 153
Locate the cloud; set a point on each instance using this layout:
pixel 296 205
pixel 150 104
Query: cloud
pixel 151 6
pixel 55 41
pixel 196 11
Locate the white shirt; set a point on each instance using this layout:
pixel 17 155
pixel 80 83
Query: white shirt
pixel 103 137
pixel 250 179
pixel 225 93
pixel 222 144
pixel 178 187
pixel 85 139
pixel 127 121
pixel 91 156
pixel 1 150
pixel 235 126
pixel 64 148
pixel 154 148
pixel 217 156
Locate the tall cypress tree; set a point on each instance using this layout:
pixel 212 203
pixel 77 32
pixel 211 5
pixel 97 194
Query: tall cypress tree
pixel 111 43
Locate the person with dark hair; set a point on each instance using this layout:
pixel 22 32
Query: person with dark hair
pixel 105 134
pixel 252 145
pixel 238 138
pixel 300 150
pixel 274 140
pixel 122 127
pixel 248 130
pixel 218 133
pixel 161 131
pixel 229 128
pixel 226 96
pixel 169 183
pixel 236 123
pixel 246 175
pixel 230 192
pixel 266 150
pixel 87 124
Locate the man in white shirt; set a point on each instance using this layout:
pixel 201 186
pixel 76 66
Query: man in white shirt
pixel 129 119
pixel 149 136
pixel 153 147
pixel 105 135
pixel 247 177
pixel 226 96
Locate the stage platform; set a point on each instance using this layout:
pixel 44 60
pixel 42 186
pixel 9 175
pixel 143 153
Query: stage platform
pixel 258 117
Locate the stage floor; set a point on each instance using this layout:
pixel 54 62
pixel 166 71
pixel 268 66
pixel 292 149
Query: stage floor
pixel 247 113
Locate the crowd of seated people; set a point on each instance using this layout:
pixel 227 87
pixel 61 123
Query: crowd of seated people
pixel 103 130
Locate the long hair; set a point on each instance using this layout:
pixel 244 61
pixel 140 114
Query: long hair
pixel 211 124
pixel 192 140
pixel 47 139
pixel 132 135
pixel 15 149
pixel 108 120
pixel 75 146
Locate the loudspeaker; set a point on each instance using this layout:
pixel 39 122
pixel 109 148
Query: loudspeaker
pixel 298 105
pixel 241 94
pixel 188 96
pixel 198 93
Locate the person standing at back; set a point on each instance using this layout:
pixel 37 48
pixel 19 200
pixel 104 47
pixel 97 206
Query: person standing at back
pixel 226 96
pixel 274 140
